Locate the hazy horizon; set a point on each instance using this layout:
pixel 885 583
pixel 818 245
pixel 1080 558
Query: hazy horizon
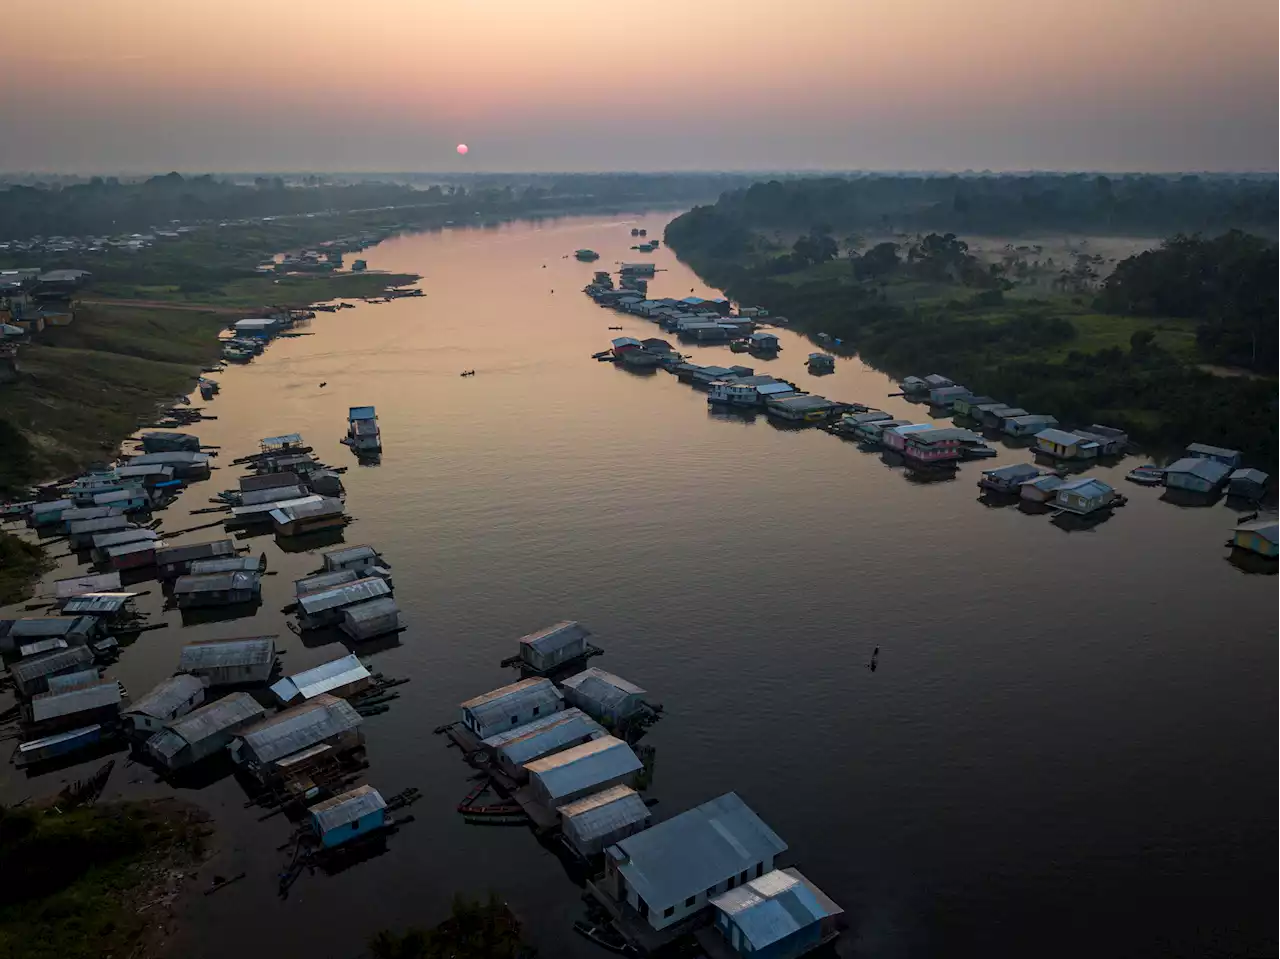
pixel 392 86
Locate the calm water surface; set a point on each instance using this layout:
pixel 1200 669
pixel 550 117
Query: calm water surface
pixel 1069 745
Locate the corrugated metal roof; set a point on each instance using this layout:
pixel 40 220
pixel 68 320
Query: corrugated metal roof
pixel 348 808
pixel 554 638
pixel 46 626
pixel 124 536
pixel 695 850
pixel 119 496
pixel 361 413
pixel 89 512
pixel 300 727
pixel 945 434
pixel 604 812
pixel 214 582
pixel 41 646
pixel 320 679
pixel 371 610
pixel 350 554
pixel 182 554
pixel 321 506
pixel 1085 485
pixel 267 508
pixel 142 546
pixel 322 581
pixel 286 439
pixel 49 663
pixel 1251 475
pixel 602 687
pixel 1032 419
pixel 1268 529
pixel 336 597
pixel 57 504
pixel 268 481
pixel 1014 472
pixel 226 564
pixel 46 706
pixel 216 653
pixel 1046 483
pixel 274 494
pixel 1205 449
pixel 1060 437
pixel 145 470
pixel 581 767
pixel 67 681
pixel 499 703
pixel 97 603
pixel 43 743
pixel 165 699
pixel 102 524
pixel 216 717
pixel 172 458
pixel 545 734
pixel 774 906
pixel 1210 471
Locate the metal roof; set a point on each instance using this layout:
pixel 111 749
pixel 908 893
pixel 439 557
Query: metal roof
pixel 128 495
pixel 273 494
pixel 556 637
pixel 1209 470
pixel 1047 483
pixel 774 389
pixel 1206 450
pixel 544 735
pixel 172 458
pixel 226 564
pixel 41 646
pixel 268 480
pixel 320 679
pixel 216 653
pixel 103 540
pixel 323 581
pixel 604 812
pixel 944 434
pixel 1014 472
pixel 936 380
pixel 348 554
pixel 322 506
pixel 348 808
pixel 371 609
pixel 75 585
pixel 67 681
pixel 580 767
pixel 1268 529
pixel 804 401
pixel 182 554
pixel 54 705
pixel 1032 419
pixel 270 506
pixel 70 516
pixel 336 597
pixel 167 697
pixel 89 604
pixel 43 743
pixel 141 546
pixel 1060 437
pixel 602 687
pixel 499 703
pixel 49 663
pixel 285 439
pixel 1085 485
pixel 695 850
pixel 214 582
pixel 774 906
pixel 361 413
pixel 59 504
pixel 46 626
pixel 1251 475
pixel 216 717
pixel 102 524
pixel 300 727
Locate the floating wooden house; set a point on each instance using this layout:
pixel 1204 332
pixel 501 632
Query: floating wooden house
pixel 562 777
pixel 803 408
pixel 1042 489
pixel 1219 454
pixel 275 494
pixel 48 513
pixel 308 517
pixel 47 748
pixel 269 480
pixel 319 582
pixel 226 564
pixel 134 555
pixel 69 681
pixel 603 696
pixel 64 589
pixel 555 646
pixel 324 607
pixel 601 819
pixel 101 606
pixel 185 464
pixel 1110 440
pixel 1261 536
pixel 132 499
pixel 204 731
pixel 1197 474
pixel 359 558
pixel 102 542
pixel 1084 495
pixel 83 531
pixel 821 363
pixel 1247 484
pixel 340 677
pixel 1027 425
pixel 31 676
pixel 780 915
pixel 164 441
pixel 170 699
pixel 544 736
pixel 348 816
pixel 174 561
pixel 75 630
pixel 372 618
pixel 1007 479
pixel 1063 445
pixel 363 434
pixel 217 589
pixel 762 342
pixel 78 514
pixel 933 446
pixel 229 662
pixel 85 704
pixel 322 721
pixel 148 476
pixel 968 405
pixel 510 706
pixel 945 397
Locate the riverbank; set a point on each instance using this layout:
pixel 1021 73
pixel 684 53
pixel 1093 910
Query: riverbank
pixel 95 881
pixel 21 565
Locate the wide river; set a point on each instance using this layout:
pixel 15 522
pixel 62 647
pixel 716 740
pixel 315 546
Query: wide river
pixel 1068 748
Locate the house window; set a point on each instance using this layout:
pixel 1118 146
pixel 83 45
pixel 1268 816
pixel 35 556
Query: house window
pixel 355 826
pixel 732 882
pixel 711 892
pixel 668 912
pixel 759 869
pixel 746 874
pixel 515 720
pixel 536 710
pixel 690 901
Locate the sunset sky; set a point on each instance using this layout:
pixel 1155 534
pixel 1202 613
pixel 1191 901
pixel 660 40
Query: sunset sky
pixel 390 85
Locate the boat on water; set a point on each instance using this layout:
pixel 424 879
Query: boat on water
pixel 1148 474
pixel 363 434
pixel 586 256
pixel 740 346
pixel 821 363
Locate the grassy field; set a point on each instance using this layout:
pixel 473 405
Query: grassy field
pixel 21 563
pixel 74 881
pixel 257 292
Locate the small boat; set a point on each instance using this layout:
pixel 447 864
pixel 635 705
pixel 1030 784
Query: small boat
pixel 740 346
pixel 635 232
pixel 467 373
pixel 976 452
pixel 605 938
pixel 615 327
pixel 586 256
pixel 1148 474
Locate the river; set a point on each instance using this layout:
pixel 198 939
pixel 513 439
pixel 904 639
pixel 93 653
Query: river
pixel 1068 747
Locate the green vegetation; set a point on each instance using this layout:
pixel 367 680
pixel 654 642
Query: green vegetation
pixel 475 930
pixel 74 882
pixel 21 564
pixel 258 292
pixel 1133 352
pixel 84 387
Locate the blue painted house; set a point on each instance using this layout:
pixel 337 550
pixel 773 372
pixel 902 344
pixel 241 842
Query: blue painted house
pixel 343 818
pixel 1261 536
pixel 1197 474
pixel 780 915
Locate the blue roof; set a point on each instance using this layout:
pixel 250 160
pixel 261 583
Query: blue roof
pixel 362 413
pixel 774 906
pixel 1211 471
pixel 1085 485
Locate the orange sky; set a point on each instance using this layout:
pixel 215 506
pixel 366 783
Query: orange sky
pixel 648 84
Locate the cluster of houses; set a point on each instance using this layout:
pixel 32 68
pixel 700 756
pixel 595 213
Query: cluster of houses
pixel 248 337
pixel 31 300
pixel 559 743
pixel 288 489
pixel 353 592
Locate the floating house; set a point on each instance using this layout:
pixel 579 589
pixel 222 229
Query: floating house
pixel 31 676
pixel 1084 495
pixel 204 731
pixel 914 385
pixel 1008 479
pixel 674 869
pixel 1027 425
pixel 638 269
pixel 1066 446
pixel 372 618
pixel 103 606
pixel 602 819
pixel 258 514
pixel 348 816
pixel 849 422
pixel 1261 536
pixel 163 441
pixel 39 646
pixel 83 531
pixel 544 736
pixel 761 342
pixel 274 495
pixel 74 630
pixel 217 589
pixel 308 517
pixel 510 706
pixel 363 434
pixel 603 696
pixel 64 589
pixel 1042 489
pixel 358 558
pixel 1197 474
pixel 325 482
pixel 170 699
pixel 932 446
pixel 802 408
pixel 555 646
pixel 69 681
pixel 324 607
pixel 1110 440
pixel 135 555
pixel 735 392
pixel 821 363
pixel 780 915
pixel 340 677
pixel 79 513
pixel 103 542
pixel 968 405
pixel 874 432
pixel 263 481
pixel 226 564
pixel 1247 484
pixel 130 500
pixel 185 464
pixel 581 770
pixel 48 513
pixel 174 561
pixel 322 721
pixel 257 327
pixel 61 744
pixel 895 437
pixel 1228 458
pixel 319 582
pixel 83 705
pixel 945 396
pixel 992 417
pixel 229 662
